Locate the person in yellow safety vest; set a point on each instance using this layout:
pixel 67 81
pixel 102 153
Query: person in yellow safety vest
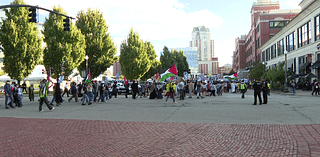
pixel 269 87
pixel 44 86
pixel 243 89
pixel 171 87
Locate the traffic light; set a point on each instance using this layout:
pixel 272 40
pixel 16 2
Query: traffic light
pixel 66 24
pixel 33 14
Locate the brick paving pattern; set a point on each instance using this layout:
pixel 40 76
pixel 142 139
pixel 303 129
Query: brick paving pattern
pixel 64 137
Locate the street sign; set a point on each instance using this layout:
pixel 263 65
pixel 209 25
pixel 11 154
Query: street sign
pixel 83 73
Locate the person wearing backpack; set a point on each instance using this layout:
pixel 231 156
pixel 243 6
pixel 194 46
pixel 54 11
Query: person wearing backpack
pixel 74 92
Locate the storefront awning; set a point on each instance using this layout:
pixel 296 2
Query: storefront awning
pixel 304 66
pixel 316 65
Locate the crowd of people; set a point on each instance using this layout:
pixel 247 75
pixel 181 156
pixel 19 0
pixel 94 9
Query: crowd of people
pixel 97 91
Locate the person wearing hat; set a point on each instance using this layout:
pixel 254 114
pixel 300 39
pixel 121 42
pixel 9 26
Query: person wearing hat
pixel 8 93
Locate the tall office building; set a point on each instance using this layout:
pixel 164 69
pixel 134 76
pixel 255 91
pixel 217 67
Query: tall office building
pixel 201 38
pixel 191 54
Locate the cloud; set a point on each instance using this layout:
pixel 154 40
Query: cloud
pixel 293 4
pixel 153 20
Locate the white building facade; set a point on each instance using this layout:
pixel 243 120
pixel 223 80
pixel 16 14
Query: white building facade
pixel 300 38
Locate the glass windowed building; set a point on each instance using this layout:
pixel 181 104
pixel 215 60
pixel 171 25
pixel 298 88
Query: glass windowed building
pixel 191 54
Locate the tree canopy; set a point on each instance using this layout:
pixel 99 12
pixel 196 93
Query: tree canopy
pixel 65 49
pixel 168 59
pixel 100 47
pixel 20 42
pixel 155 64
pixel 134 59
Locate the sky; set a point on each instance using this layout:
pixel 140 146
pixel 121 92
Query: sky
pixel 169 22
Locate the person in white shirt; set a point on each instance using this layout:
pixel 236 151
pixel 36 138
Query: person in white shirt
pixel 20 96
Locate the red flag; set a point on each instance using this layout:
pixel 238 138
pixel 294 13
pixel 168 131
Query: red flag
pixel 157 76
pixel 125 81
pixel 236 74
pixel 49 75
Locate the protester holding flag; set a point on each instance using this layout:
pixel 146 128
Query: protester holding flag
pixel 43 95
pixel 171 87
pixel 169 73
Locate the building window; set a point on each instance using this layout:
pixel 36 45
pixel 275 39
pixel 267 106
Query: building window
pixel 268 54
pixel 258 29
pixel 263 56
pixel 290 42
pixel 259 43
pixel 317 28
pixel 273 51
pixel 277 24
pixel 280 47
pixel 304 34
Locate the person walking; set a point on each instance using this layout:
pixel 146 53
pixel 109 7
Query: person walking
pixel 53 94
pixel 293 85
pixel 171 87
pixel 24 87
pixel 257 92
pixel 8 93
pixel 315 87
pixel 199 90
pixel 159 91
pixel 243 89
pixel 102 91
pixel 74 92
pixel 90 93
pixel 153 93
pixel 126 86
pixel 20 96
pixel 57 94
pixel 66 90
pixel 181 89
pixel 85 97
pixel 135 89
pixel 212 89
pixel 190 87
pixel 43 95
pixel 31 92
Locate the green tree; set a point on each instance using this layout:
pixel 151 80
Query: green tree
pixel 65 49
pixel 155 64
pixel 167 59
pixel 134 59
pixel 100 47
pixel 257 71
pixel 20 42
pixel 276 74
pixel 181 62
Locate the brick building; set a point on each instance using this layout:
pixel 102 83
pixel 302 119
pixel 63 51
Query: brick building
pixel 266 20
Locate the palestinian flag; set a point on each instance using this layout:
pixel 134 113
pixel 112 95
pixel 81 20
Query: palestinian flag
pixel 169 73
pixel 88 79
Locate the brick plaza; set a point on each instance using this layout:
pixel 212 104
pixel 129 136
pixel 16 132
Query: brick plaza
pixel 70 129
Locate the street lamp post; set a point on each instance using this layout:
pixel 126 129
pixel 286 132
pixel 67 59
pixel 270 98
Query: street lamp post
pixel 285 71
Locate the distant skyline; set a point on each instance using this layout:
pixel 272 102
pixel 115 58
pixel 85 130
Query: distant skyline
pixel 169 22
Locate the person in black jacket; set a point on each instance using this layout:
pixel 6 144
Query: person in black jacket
pixel 257 92
pixel 135 89
pixel 265 92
